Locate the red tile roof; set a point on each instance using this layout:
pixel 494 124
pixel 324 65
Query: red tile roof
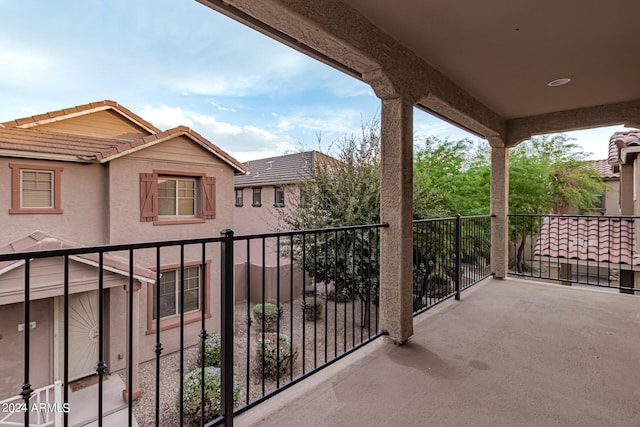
pixel 598 239
pixel 604 169
pixel 39 241
pixel 620 140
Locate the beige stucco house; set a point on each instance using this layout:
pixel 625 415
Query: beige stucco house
pixel 269 189
pixel 99 174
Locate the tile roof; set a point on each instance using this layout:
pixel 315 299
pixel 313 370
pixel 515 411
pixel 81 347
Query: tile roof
pixel 78 110
pixel 621 140
pixel 604 169
pixel 36 143
pixel 286 169
pixel 40 241
pixel 598 239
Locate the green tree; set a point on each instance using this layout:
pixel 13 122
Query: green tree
pixel 451 177
pixel 548 174
pixel 344 191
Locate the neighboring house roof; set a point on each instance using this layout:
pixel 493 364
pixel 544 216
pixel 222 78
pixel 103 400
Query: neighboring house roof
pixel 79 110
pixel 22 139
pixel 598 239
pixel 604 169
pixel 620 143
pixel 286 169
pixel 40 241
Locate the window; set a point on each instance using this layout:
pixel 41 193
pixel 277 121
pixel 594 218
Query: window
pixel 598 203
pixel 278 197
pixel 257 197
pixel 239 197
pixel 169 287
pixel 176 196
pixel 170 292
pixel 35 189
pixel 168 197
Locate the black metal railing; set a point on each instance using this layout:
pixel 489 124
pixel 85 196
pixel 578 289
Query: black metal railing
pixel 591 250
pixel 449 255
pixel 317 292
pixel 311 298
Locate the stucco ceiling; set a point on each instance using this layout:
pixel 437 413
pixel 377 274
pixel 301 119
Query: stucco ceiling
pixel 483 65
pixel 504 52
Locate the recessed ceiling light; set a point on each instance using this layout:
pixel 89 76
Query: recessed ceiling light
pixel 558 82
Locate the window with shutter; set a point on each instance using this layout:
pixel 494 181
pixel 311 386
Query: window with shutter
pixel 174 197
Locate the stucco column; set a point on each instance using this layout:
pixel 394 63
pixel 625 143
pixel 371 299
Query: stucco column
pixel 396 206
pixel 499 209
pixel 396 209
pixel 135 351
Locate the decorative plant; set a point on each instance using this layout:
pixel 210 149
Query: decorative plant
pixel 270 312
pixel 191 403
pixel 211 350
pixel 277 354
pixel 312 308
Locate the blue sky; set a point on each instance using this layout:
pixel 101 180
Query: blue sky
pixel 176 62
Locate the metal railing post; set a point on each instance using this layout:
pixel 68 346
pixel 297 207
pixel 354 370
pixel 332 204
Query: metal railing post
pixel 458 256
pixel 226 300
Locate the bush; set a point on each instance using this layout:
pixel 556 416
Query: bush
pixel 439 285
pixel 309 291
pixel 312 308
pixel 211 350
pixel 192 394
pixel 274 366
pixel 271 314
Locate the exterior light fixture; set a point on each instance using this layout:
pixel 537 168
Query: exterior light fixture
pixel 559 82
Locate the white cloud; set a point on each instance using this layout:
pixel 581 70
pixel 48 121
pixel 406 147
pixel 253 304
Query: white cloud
pixel 165 117
pixel 243 142
pixel 214 126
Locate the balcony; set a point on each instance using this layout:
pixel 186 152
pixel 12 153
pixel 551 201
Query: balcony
pixel 512 352
pixel 484 351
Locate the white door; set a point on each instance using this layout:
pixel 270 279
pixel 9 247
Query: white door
pixel 83 335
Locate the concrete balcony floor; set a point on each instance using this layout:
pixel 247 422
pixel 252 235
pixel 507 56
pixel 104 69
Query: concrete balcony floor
pixel 510 353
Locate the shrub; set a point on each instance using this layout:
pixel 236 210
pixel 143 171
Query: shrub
pixel 273 365
pixel 192 394
pixel 312 308
pixel 271 314
pixel 309 291
pixel 439 284
pixel 211 350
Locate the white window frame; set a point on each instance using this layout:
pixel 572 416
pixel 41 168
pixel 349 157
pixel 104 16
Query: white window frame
pixel 51 189
pixel 176 198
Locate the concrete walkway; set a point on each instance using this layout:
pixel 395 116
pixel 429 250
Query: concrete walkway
pixel 510 353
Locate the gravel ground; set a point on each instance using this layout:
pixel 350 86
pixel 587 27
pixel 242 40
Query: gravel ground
pixel 315 342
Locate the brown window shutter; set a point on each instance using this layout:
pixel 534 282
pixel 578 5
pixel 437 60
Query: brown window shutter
pixel 148 197
pixel 208 197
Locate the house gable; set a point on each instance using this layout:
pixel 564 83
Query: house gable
pixel 106 119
